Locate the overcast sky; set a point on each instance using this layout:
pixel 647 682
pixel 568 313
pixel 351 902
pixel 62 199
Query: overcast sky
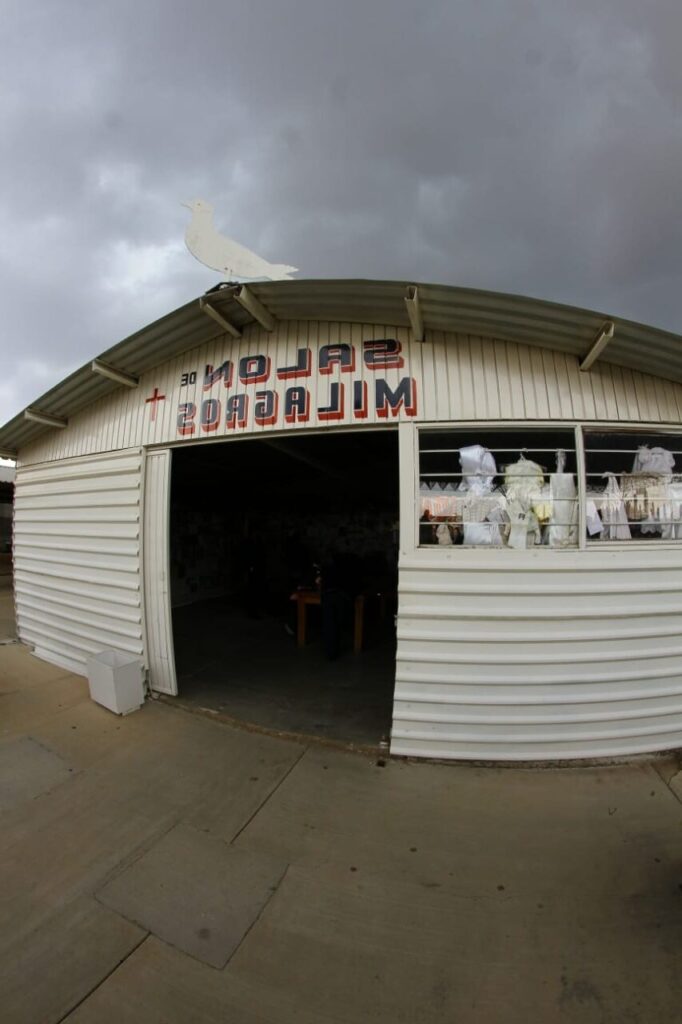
pixel 531 147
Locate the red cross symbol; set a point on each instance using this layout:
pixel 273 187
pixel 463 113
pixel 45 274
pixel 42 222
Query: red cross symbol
pixel 156 397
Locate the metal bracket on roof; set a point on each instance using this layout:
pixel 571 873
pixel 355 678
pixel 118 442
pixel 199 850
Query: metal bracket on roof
pixel 208 309
pixel 253 306
pixel 599 344
pixel 111 373
pixel 45 419
pixel 414 312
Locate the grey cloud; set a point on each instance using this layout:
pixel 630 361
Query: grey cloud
pixel 522 146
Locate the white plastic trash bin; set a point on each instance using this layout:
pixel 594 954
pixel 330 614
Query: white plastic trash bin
pixel 115 681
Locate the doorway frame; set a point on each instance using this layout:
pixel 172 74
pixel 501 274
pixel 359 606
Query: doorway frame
pixel 158 616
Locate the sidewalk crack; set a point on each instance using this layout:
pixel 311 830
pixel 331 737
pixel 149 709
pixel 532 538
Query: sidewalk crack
pixel 666 782
pixel 101 981
pixel 269 795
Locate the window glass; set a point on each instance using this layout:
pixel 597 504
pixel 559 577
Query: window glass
pixel 511 488
pixel 633 485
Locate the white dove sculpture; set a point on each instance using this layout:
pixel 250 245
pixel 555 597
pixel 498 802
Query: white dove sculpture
pixel 221 253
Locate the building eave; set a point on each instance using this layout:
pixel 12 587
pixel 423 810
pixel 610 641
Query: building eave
pixel 442 308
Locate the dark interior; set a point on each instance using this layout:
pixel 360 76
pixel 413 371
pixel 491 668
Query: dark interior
pixel 6 500
pixel 613 451
pixel 256 522
pixel 439 449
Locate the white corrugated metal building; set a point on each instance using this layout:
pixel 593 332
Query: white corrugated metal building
pixel 565 644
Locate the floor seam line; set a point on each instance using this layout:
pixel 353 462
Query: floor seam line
pixel 667 784
pixel 255 920
pixel 269 795
pixel 106 977
pixel 133 857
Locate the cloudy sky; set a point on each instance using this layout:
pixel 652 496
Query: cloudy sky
pixel 523 146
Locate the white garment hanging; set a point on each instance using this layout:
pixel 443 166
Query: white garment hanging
pixel 592 519
pixel 524 528
pixel 613 512
pixel 443 535
pixel 478 476
pixel 478 469
pixel 653 460
pixel 523 484
pixel 563 523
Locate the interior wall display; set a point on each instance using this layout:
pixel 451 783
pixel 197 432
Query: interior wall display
pixel 202 555
pixel 502 488
pixel 5 527
pixel 633 491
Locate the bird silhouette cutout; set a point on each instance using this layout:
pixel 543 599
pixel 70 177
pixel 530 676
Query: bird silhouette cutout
pixel 224 254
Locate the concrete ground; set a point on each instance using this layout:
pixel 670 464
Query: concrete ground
pixel 165 867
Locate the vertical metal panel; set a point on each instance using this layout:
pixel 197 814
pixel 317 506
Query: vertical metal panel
pixel 407 455
pixel 77 557
pixel 158 619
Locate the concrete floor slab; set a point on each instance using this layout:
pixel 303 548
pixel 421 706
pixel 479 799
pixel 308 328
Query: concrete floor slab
pixel 229 802
pixel 69 842
pixel 54 967
pixel 27 769
pixel 160 985
pixel 25 708
pixel 196 893
pixel 341 946
pixel 22 671
pixel 85 732
pixel 482 826
pixel 416 892
pixel 415 951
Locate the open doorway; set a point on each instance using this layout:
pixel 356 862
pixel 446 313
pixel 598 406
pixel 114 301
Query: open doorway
pixel 283 554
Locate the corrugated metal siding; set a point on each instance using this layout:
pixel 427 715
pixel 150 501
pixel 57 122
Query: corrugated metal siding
pixel 502 655
pixel 512 318
pixel 77 557
pixel 506 655
pixel 459 377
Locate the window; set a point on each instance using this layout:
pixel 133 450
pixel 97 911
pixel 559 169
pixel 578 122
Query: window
pixel 633 485
pixel 506 488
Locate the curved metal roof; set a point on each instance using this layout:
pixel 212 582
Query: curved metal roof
pixel 443 308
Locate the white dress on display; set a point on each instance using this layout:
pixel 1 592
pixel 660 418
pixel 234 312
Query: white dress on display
pixel 483 504
pixel 523 483
pixel 613 512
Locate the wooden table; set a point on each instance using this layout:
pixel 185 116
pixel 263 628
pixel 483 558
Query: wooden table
pixel 303 598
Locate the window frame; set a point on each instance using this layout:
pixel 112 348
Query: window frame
pixel 579 427
pixel 638 543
